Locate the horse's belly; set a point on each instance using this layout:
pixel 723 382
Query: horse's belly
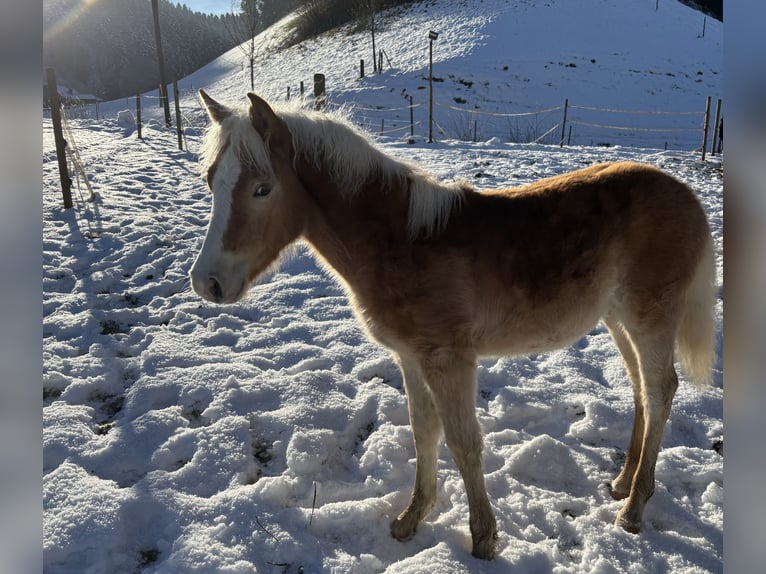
pixel 538 330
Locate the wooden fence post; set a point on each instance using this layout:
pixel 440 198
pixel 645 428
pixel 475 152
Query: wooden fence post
pixel 705 127
pixel 564 122
pixel 138 115
pixel 58 135
pixel 720 136
pixel 320 95
pixel 715 128
pixel 179 128
pixel 161 60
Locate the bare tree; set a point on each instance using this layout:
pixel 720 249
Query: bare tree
pixel 244 27
pixel 367 9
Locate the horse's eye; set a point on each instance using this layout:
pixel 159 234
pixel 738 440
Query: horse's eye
pixel 262 190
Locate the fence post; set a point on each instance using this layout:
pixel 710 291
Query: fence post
pixel 320 95
pixel 361 68
pixel 412 120
pixel 715 124
pixel 179 129
pixel 58 135
pixel 301 87
pixel 564 122
pixel 705 127
pixel 138 115
pixel 720 136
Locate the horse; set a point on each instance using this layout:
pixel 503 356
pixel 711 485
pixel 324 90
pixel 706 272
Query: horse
pixel 443 274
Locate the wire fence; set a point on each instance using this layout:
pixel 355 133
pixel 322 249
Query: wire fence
pixel 593 125
pixel 566 124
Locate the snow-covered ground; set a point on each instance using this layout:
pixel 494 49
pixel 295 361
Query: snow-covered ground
pixel 270 435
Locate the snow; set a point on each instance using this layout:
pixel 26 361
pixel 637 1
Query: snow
pixel 271 435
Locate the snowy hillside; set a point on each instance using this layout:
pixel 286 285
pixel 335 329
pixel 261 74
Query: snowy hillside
pixel 496 58
pixel 270 435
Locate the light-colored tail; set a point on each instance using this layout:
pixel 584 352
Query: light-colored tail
pixel 696 337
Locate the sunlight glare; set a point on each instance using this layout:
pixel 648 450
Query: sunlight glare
pixel 64 22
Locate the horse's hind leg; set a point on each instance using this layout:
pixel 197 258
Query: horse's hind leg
pixel 659 382
pixel 426 429
pixel 620 486
pixel 452 380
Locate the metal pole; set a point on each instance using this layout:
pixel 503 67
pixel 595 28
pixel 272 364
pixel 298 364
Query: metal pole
pixel 58 134
pixel 430 90
pixel 412 120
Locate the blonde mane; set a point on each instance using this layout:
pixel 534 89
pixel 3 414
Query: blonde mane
pixel 329 141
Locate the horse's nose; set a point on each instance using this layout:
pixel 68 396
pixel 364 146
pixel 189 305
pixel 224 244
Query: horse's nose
pixel 213 289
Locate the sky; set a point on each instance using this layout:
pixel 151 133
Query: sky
pixel 209 6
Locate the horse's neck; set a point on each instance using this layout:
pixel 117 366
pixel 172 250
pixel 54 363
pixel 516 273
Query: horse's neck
pixel 350 230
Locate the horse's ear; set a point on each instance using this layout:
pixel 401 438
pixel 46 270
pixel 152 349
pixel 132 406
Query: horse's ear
pixel 217 112
pixel 263 118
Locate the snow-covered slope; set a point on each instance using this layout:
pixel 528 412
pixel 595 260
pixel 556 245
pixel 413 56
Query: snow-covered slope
pixel 500 57
pixel 270 435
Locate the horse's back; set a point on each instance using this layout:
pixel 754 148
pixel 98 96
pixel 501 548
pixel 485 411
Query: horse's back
pixel 560 254
pixel 647 215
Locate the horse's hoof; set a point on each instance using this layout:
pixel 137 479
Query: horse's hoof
pixel 403 529
pixel 628 523
pixel 485 549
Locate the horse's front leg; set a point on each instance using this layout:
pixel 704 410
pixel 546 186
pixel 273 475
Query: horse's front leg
pixel 426 429
pixel 451 376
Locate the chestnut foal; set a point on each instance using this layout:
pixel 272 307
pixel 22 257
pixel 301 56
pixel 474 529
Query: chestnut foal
pixel 442 275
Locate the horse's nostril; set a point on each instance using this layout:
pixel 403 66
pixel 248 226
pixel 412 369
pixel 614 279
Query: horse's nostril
pixel 214 289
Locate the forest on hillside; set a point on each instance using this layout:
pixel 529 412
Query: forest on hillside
pixel 107 48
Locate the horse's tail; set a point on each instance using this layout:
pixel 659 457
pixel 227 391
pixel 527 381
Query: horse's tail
pixel 696 337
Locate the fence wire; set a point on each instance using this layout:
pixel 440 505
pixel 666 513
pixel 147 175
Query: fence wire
pixel 645 112
pixel 534 126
